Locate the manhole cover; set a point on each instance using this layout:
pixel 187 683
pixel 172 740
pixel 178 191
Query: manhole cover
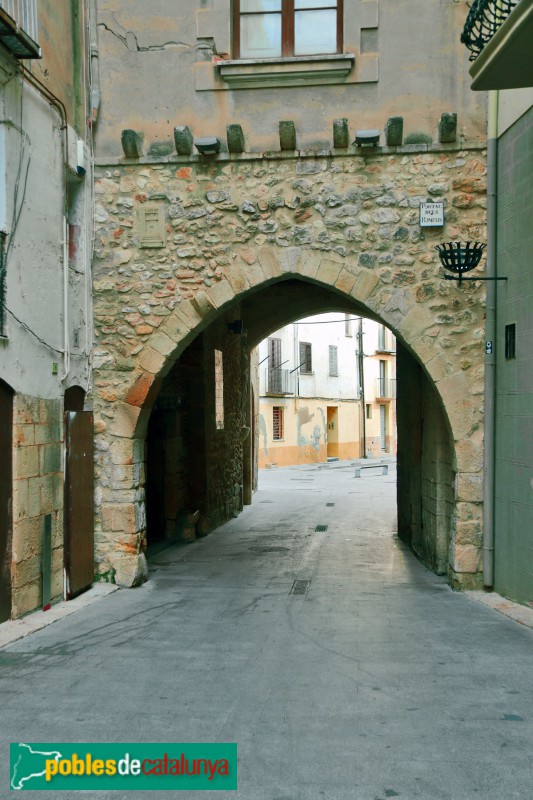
pixel 330 505
pixel 300 587
pixel 270 549
pixel 321 528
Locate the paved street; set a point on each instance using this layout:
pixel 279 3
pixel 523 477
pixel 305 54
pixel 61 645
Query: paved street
pixel 377 682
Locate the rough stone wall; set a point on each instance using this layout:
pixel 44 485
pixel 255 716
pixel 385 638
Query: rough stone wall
pixel 223 448
pixel 226 226
pixel 37 491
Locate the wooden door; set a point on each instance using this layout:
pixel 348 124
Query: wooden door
pixel 6 484
pixel 79 501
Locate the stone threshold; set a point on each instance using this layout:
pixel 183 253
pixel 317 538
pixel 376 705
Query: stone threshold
pixel 284 155
pixel 15 629
pixel 515 611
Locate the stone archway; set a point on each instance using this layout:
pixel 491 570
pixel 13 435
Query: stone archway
pixel 123 507
pixel 240 264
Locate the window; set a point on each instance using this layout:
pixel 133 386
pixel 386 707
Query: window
pixel 277 422
pixel 368 411
pixel 275 372
pixel 333 366
pixel 347 325
pixel 382 379
pixel 306 362
pixel 219 391
pixel 510 341
pixel 281 28
pixel 382 338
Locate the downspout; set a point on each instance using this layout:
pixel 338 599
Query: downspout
pixel 361 365
pixel 490 345
pixel 95 66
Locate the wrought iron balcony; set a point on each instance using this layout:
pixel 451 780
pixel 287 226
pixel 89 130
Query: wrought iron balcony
pixel 278 381
pixel 19 28
pixel 385 388
pixel 483 21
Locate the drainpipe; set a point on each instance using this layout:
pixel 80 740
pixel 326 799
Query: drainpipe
pixel 490 351
pixel 361 364
pixel 95 67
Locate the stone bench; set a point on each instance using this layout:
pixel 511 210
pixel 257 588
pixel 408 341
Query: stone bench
pixel 383 467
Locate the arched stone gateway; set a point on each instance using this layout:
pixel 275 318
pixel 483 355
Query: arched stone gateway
pixel 182 251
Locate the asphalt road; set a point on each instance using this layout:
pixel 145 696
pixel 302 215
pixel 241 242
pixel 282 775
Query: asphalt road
pixel 378 681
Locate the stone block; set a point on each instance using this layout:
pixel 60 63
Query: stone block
pixel 49 458
pixel 27 539
pixel 20 499
pixel 415 321
pixel 235 276
pixel 469 455
pixel 341 133
pixel 121 451
pixel 448 128
pixel 469 533
pixel 466 558
pixel 119 517
pixel 309 263
pixel 26 598
pixel 23 435
pixel 470 487
pixel 221 293
pixel 41 495
pixel 328 271
pixel 269 260
pixel 365 283
pixel 203 304
pixel 131 143
pixel 25 410
pixel 163 343
pixel 124 423
pixel 394 132
pixel 26 462
pixel 345 281
pixel 287 135
pixel 26 572
pixel 130 569
pixel 151 360
pixel 183 140
pixel 235 138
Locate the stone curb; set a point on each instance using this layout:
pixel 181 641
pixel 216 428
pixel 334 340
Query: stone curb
pixel 16 629
pixel 521 614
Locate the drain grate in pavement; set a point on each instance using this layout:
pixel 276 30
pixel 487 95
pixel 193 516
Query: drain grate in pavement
pixel 321 528
pixel 330 505
pixel 300 587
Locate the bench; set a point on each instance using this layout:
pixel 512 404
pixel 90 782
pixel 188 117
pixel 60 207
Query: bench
pixel 384 469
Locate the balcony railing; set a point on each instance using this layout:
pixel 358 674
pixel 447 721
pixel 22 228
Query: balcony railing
pixel 484 19
pixel 19 28
pixel 385 388
pixel 278 381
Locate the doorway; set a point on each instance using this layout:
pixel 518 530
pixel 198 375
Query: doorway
pixel 79 494
pixel 333 431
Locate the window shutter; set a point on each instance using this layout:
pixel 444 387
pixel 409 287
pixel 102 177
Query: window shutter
pixel 306 363
pixel 333 366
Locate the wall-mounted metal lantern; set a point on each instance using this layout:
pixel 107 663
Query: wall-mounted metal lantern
pixel 459 258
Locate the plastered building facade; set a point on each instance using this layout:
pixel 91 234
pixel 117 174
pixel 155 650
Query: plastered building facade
pixel 327 390
pixel 46 306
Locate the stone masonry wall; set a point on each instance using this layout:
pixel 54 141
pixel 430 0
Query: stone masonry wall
pixel 178 240
pixel 38 490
